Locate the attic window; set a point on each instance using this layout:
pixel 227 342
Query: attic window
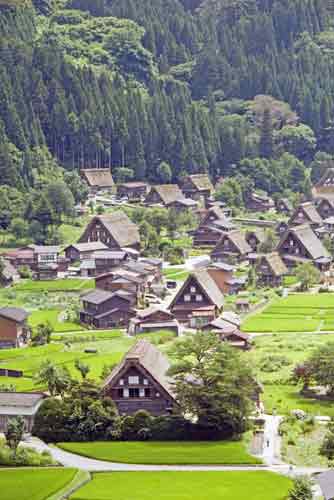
pixel 187 298
pixel 193 289
pixel 133 380
pixel 145 381
pixel 121 382
pixel 199 297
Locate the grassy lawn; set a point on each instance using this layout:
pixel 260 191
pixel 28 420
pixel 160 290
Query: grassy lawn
pixel 175 274
pixel 296 313
pixel 185 486
pixel 52 315
pixel 61 285
pixel 33 484
pixel 273 358
pixel 166 453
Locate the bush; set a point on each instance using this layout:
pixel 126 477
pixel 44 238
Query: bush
pixel 302 489
pixel 23 457
pixel 25 272
pixel 273 362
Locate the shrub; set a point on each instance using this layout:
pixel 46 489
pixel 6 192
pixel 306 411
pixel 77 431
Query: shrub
pixel 24 457
pixel 273 362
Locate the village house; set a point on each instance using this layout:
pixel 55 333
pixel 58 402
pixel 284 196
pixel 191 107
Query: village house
pixel 115 230
pixel 232 247
pixel 281 227
pixel 98 179
pixel 300 244
pixel 242 305
pixel 306 213
pixel 102 262
pixel 211 228
pixel 149 269
pixel 14 330
pixel 223 274
pixel 9 274
pixel 21 257
pixel 270 269
pixel 284 206
pixel 46 261
pixel 257 202
pixel 325 186
pixel 228 333
pixel 198 301
pixel 255 238
pixel 19 404
pixel 134 191
pixel 183 204
pixel 83 251
pixel 103 309
pixel 329 224
pixel 140 382
pixel 164 194
pixel 325 207
pixel 122 279
pixel 198 187
pixel 153 319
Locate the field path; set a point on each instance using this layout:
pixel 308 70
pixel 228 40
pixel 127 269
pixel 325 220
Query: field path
pixel 72 460
pixel 272 441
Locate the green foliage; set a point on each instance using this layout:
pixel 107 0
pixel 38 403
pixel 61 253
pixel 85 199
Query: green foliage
pixel 219 394
pixel 302 489
pixel 14 432
pixel 138 84
pixel 23 457
pixel 308 275
pixel 327 446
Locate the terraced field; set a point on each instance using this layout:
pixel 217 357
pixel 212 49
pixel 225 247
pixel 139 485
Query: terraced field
pixel 296 313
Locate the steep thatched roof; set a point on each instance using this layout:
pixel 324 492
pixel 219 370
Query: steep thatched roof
pixel 151 359
pixel 275 263
pixel 201 182
pixel 308 240
pixel 168 193
pixel 123 231
pixel 309 210
pixel 98 177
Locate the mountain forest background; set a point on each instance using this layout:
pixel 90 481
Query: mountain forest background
pixel 155 89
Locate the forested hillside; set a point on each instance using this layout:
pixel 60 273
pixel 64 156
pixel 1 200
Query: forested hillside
pixel 225 86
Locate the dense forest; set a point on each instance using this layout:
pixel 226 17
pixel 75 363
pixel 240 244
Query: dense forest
pixel 238 88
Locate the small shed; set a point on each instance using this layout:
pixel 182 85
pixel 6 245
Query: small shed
pixel 19 404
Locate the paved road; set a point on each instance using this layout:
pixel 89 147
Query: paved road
pixel 71 460
pixel 272 441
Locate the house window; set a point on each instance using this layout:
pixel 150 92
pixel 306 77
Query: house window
pixel 133 380
pixel 193 289
pixel 147 393
pixel 125 393
pixel 145 381
pixel 121 382
pixel 187 298
pixel 134 393
pixel 199 297
pixel 142 393
pixel 120 393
